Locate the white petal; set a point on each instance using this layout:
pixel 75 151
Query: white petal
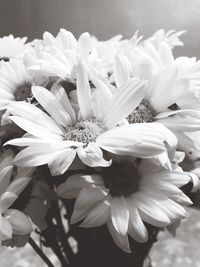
pixel 121 70
pixel 98 216
pixel 50 103
pixel 140 140
pixel 35 129
pixel 6 200
pixel 5 176
pixel 83 91
pixel 120 214
pixel 18 185
pixel 124 101
pixel 136 228
pixel 75 183
pixel 84 45
pixel 120 240
pixel 34 115
pixel 5 229
pixel 92 156
pixel 61 160
pixel 86 200
pixel 62 97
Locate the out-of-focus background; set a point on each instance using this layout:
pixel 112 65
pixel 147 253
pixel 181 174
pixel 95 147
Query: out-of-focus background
pixel 105 19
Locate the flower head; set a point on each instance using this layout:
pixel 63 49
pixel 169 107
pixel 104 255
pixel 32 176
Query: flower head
pixel 125 195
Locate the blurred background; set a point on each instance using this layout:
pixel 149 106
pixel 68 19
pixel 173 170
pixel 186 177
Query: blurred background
pixel 105 19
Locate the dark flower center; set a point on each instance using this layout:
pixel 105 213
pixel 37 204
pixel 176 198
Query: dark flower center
pixel 143 113
pixel 121 178
pixel 85 131
pixel 23 92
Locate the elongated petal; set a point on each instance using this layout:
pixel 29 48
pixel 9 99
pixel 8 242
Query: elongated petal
pixel 124 101
pixel 83 91
pixel 75 183
pixel 121 71
pixel 92 156
pixel 61 160
pixel 5 229
pixel 6 200
pixel 86 200
pixel 34 115
pixel 50 103
pixel 62 97
pixel 84 45
pixel 98 216
pixel 7 159
pixel 20 223
pixel 5 176
pixel 120 214
pixel 139 140
pixel 18 185
pixel 120 240
pixel 136 227
pixel 35 129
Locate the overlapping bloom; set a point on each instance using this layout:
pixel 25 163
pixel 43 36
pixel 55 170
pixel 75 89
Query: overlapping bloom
pixel 12 221
pixel 11 47
pixel 55 139
pixel 127 194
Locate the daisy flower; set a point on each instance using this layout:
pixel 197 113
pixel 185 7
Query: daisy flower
pixel 12 221
pixel 125 195
pixel 55 137
pixel 11 47
pixel 169 97
pixel 16 82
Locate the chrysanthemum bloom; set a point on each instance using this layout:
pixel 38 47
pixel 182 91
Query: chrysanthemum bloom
pixel 55 139
pixel 171 98
pixel 12 221
pixel 59 56
pixel 11 47
pixel 124 196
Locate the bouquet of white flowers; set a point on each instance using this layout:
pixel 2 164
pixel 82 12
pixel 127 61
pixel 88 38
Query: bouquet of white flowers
pixel 102 135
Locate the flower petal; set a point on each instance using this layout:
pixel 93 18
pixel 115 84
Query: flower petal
pixel 20 223
pixel 6 200
pixel 83 91
pixel 60 161
pixel 98 216
pixel 140 140
pixel 136 227
pixel 75 183
pixel 50 103
pixel 92 156
pixel 120 240
pixel 5 229
pixel 120 214
pixel 124 101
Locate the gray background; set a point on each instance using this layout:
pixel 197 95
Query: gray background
pixel 104 18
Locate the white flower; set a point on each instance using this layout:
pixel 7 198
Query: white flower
pixel 55 139
pixel 124 196
pixel 11 47
pixel 12 221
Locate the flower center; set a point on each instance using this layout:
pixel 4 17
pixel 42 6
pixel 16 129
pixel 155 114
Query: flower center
pixel 122 178
pixel 23 92
pixel 143 113
pixel 85 131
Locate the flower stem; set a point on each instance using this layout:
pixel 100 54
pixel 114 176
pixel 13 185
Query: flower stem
pixel 40 252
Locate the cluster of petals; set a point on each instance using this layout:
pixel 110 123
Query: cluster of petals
pixel 68 84
pixel 12 221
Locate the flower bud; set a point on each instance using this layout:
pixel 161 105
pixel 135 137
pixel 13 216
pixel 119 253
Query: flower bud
pixel 21 224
